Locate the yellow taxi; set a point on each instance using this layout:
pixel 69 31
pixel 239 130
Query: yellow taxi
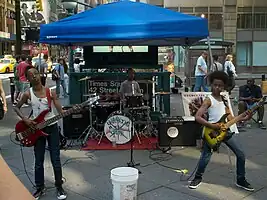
pixel 8 57
pixel 7 65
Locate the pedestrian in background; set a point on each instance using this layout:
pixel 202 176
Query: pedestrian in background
pixel 201 71
pixel 59 69
pixel 217 66
pixel 229 69
pixel 16 80
pixel 3 98
pixel 66 76
pixel 24 83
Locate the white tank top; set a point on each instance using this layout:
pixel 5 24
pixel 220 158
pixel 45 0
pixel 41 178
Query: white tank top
pixel 216 110
pixel 39 105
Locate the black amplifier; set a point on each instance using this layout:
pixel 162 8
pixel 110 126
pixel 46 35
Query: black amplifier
pixel 188 131
pixel 76 123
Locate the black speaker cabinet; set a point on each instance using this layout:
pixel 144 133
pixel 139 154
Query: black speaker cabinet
pixel 75 124
pixel 188 131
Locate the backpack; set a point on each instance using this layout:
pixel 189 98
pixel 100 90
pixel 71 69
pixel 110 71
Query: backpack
pixel 228 71
pixel 55 76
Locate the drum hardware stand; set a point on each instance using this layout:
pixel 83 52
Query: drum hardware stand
pixel 131 163
pixel 90 131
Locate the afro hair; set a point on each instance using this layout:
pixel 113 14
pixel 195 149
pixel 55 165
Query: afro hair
pixel 219 75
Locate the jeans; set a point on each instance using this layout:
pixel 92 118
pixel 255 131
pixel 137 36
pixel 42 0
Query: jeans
pixel 39 152
pixel 62 83
pixel 206 155
pixel 200 82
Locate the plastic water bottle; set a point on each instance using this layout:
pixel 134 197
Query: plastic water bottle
pixel 114 144
pixel 248 125
pixel 235 101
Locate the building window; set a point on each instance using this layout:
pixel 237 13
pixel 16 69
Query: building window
pixel 244 53
pixel 1 18
pixel 172 8
pixel 260 20
pixel 215 22
pixel 187 9
pixel 245 21
pixel 259 54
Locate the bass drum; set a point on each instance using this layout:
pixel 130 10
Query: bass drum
pixel 118 128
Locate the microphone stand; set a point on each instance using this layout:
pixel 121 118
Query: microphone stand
pixel 131 163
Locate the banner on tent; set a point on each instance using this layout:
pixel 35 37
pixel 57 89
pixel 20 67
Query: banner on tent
pixel 193 100
pixel 112 86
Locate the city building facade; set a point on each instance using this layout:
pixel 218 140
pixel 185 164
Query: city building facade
pixel 7 27
pixel 243 22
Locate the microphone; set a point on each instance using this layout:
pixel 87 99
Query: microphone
pixel 132 88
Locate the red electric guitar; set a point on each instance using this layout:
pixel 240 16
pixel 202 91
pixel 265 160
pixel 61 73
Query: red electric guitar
pixel 28 136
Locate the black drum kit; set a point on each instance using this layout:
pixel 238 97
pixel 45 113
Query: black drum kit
pixel 119 118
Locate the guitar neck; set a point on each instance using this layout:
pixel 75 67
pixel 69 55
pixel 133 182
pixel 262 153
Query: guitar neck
pixel 62 115
pixel 56 118
pixel 239 117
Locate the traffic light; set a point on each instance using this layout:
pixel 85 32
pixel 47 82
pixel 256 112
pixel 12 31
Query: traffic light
pixel 39 5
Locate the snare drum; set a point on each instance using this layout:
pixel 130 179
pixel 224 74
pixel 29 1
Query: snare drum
pixel 118 128
pixel 133 100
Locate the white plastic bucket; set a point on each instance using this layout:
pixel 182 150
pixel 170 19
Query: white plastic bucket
pixel 124 181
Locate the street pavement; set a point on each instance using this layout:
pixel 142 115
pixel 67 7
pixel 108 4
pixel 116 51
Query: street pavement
pixel 87 173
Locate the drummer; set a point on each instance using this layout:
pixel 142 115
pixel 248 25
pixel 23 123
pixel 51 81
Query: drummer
pixel 129 86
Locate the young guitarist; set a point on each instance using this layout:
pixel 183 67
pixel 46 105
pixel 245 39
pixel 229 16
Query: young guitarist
pixel 216 107
pixel 41 99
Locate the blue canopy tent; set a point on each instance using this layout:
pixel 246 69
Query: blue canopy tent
pixel 126 23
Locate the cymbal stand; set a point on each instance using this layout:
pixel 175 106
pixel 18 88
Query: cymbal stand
pixel 90 131
pixel 147 95
pixel 148 129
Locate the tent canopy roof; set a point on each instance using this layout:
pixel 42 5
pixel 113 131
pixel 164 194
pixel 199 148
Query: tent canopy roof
pixel 126 23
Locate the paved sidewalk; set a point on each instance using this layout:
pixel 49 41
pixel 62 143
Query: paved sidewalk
pixel 87 173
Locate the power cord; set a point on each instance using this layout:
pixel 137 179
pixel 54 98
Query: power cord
pixel 162 156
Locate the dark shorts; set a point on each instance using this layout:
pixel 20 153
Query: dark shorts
pixel 24 86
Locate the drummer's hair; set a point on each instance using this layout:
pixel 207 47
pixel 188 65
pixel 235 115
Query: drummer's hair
pixel 130 70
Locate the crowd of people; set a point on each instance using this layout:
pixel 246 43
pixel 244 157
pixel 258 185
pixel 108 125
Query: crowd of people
pixel 22 84
pixel 201 71
pixel 249 94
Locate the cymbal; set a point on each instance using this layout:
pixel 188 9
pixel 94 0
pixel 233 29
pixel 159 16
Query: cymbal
pixel 85 78
pixel 162 93
pixel 146 81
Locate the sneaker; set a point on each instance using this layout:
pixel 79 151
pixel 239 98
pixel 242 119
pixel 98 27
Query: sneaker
pixel 61 194
pixel 39 192
pixel 195 183
pixel 244 184
pixel 261 125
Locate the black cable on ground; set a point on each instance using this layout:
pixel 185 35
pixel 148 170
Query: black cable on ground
pixel 24 164
pixel 162 156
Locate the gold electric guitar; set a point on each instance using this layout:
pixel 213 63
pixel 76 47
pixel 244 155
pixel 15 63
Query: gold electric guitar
pixel 215 137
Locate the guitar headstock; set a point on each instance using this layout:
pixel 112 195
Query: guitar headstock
pixel 262 101
pixel 90 101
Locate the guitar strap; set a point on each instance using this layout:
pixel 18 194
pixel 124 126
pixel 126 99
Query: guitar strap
pixel 225 102
pixel 48 96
